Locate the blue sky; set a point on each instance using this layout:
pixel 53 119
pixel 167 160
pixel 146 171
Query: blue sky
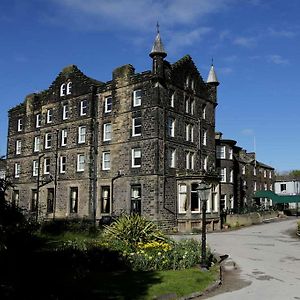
pixel 254 43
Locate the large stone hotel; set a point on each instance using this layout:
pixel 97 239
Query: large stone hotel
pixel 140 143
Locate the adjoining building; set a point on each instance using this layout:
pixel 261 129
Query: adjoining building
pixel 241 176
pixel 140 143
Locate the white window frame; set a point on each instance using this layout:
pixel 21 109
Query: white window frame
pixel 80 162
pixel 231 176
pixel 172 102
pixel 134 126
pixel 187 105
pixel 221 152
pixel 254 186
pixel 230 153
pixel 182 198
pixel 18 146
pixel 136 153
pixel 64 136
pixel 204 137
pixel 137 99
pixel 189 160
pixel 17 170
pixel 69 88
pixel 244 170
pixel 38 121
pixel 62 164
pixel 63 90
pixel 171 127
pixel 65 115
pixel 223 174
pixel 265 173
pixel 192 107
pixel 81 134
pixel 49 115
pixel 106 160
pixel 107 105
pixel 205 163
pixel 20 124
pixel 107 132
pixel 254 171
pixel 48 141
pixel 270 174
pixel 172 158
pixel 204 112
pixel 83 107
pixel 37 144
pixel 187 132
pixel 35 168
pixel 46 164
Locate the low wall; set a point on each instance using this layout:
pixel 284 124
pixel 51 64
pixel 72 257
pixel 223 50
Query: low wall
pixel 249 219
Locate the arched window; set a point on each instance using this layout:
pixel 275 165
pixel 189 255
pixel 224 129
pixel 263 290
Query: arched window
pixel 63 89
pixel 69 88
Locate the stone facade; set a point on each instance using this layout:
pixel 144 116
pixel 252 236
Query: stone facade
pixel 139 143
pixel 241 176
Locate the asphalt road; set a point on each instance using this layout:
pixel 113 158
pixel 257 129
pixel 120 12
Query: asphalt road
pixel 263 263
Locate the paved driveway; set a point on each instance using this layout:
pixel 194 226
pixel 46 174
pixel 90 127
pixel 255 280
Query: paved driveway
pixel 263 263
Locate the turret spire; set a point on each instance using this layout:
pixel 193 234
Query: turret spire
pixel 158 47
pixel 212 76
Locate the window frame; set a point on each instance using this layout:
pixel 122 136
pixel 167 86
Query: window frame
pixel 83 107
pixel 81 135
pixel 38 120
pixel 65 113
pixel 64 137
pixel 134 157
pixel 107 105
pixel 47 165
pixel 182 203
pixel 107 134
pixel 62 90
pixel 69 88
pixel 137 100
pixel 48 140
pixel 35 168
pixel 37 143
pixel 171 126
pixel 106 161
pixel 80 164
pixel 73 209
pixel 135 126
pixel 49 118
pixel 18 147
pixel 20 124
pixel 223 174
pixel 62 164
pixel 17 170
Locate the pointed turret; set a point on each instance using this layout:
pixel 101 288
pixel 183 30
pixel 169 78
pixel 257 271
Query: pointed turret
pixel 158 47
pixel 212 76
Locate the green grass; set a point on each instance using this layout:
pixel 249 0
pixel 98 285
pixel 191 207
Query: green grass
pixel 147 285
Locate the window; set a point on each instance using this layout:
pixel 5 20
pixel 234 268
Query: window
pixel 49 115
pixel 136 126
pixel 64 134
pixel 270 174
pixel 193 107
pixel 189 159
pixel 230 153
pixel 37 142
pixel 47 165
pixel 35 168
pixel 50 200
pixel 136 196
pixel 271 187
pixel 15 197
pixel 38 120
pixel 18 146
pixel 105 200
pixel 17 170
pixel 65 115
pixel 231 201
pixel 81 134
pixel 254 171
pixel 69 88
pixel 243 170
pixel 205 163
pixel 187 81
pixel 282 187
pixel 172 102
pixel 107 104
pixel 182 198
pixel 48 140
pixel 244 183
pixel 195 203
pixel 222 202
pixel 265 173
pixel 80 162
pixel 83 107
pixel 63 90
pixel 136 158
pixel 171 127
pixel 74 200
pixel 223 174
pixel 172 158
pixel 265 186
pixel 189 132
pixel 231 176
pixel 107 132
pixel 137 98
pixel 62 164
pixel 33 203
pixel 106 160
pixel 20 125
pixel 204 112
pixel 205 137
pixel 192 84
pixel 221 152
pixel 255 186
pixel 187 105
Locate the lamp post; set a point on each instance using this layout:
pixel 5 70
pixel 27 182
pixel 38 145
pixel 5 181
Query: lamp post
pixel 203 194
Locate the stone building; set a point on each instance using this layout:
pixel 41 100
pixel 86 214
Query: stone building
pixel 241 176
pixel 141 143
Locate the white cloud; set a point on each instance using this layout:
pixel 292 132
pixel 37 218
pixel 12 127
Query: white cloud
pixel 281 33
pixel 247 42
pixel 247 131
pixel 277 59
pixel 225 70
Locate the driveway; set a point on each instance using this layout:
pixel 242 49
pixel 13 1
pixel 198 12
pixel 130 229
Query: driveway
pixel 263 263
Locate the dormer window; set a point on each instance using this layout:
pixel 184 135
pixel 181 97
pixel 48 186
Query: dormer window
pixel 63 90
pixel 69 88
pixel 20 125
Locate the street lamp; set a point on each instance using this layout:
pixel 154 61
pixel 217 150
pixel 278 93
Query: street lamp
pixel 203 194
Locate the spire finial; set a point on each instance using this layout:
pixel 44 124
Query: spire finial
pixel 212 61
pixel 157 27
